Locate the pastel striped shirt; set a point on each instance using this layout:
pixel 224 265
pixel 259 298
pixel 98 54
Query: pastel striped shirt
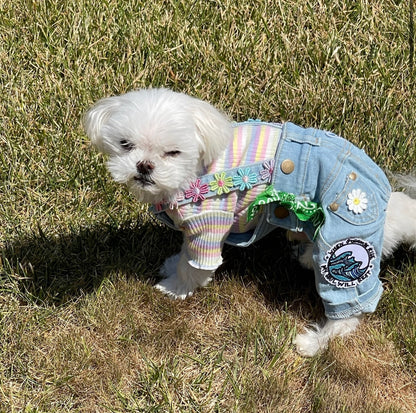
pixel 207 224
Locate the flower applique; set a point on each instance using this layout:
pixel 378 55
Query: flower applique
pixel 267 172
pixel 357 201
pixel 197 191
pixel 245 179
pixel 222 183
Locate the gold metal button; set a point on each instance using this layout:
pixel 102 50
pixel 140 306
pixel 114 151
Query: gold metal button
pixel 281 212
pixel 287 166
pixel 334 206
pixel 352 176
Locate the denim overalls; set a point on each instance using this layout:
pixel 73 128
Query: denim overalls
pixel 347 251
pixel 353 191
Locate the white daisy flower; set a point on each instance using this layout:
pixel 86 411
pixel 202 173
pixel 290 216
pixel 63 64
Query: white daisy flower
pixel 357 201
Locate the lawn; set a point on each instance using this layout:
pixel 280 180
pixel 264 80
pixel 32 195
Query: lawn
pixel 81 327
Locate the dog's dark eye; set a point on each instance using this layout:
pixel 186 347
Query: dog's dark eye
pixel 172 153
pixel 128 146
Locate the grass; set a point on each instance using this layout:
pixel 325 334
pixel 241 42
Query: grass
pixel 81 328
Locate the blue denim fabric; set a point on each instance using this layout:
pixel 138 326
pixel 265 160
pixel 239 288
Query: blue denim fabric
pixel 326 169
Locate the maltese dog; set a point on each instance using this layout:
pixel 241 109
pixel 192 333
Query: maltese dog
pixel 223 182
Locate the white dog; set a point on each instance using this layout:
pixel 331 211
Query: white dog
pixel 223 182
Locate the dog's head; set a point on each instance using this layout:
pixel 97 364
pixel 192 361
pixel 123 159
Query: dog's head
pixel 158 140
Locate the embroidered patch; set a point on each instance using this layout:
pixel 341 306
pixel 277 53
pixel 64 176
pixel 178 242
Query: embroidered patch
pixel 348 263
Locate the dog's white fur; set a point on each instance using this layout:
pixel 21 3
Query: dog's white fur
pixel 177 136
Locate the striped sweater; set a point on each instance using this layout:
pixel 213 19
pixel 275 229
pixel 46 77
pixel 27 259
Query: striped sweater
pixel 206 223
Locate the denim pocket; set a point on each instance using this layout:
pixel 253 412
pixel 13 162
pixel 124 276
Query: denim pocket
pixel 357 203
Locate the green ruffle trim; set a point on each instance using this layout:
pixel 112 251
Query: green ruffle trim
pixel 304 210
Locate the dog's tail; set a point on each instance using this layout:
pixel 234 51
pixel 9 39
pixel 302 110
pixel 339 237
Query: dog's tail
pixel 400 226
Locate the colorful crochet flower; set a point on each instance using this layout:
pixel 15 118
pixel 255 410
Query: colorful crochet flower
pixel 245 179
pixel 196 191
pixel 221 184
pixel 267 172
pixel 357 201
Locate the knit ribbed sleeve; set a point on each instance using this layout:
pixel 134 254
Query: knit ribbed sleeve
pixel 204 238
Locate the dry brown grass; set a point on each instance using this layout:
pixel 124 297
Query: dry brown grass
pixel 124 348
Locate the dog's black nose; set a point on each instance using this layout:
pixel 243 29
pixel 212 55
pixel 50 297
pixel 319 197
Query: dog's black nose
pixel 145 167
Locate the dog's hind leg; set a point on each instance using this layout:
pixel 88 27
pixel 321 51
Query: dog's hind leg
pixel 316 338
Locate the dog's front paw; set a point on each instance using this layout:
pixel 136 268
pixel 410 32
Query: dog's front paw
pixel 175 288
pixel 170 265
pixel 172 285
pixel 181 279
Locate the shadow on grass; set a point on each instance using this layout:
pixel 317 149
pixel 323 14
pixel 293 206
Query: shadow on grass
pixel 272 266
pixel 59 268
pixel 55 269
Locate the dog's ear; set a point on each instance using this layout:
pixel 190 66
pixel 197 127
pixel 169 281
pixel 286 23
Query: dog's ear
pixel 214 129
pixel 96 118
